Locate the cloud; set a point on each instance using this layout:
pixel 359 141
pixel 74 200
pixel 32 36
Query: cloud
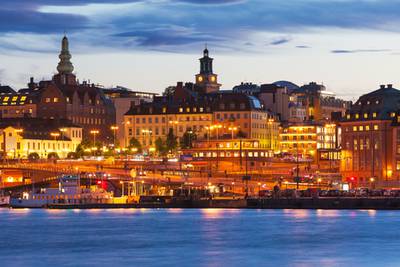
pixel 280 41
pixel 158 23
pixel 343 51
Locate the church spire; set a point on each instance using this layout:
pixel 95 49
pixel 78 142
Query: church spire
pixel 65 66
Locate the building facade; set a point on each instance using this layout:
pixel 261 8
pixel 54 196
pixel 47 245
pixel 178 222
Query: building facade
pixel 21 138
pixel 371 138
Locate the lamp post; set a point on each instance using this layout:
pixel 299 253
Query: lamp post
pixel 20 131
pixel 232 129
pixel 94 132
pixel 114 128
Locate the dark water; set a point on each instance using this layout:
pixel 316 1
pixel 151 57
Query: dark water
pixel 175 237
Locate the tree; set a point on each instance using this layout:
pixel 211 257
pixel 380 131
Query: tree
pixel 72 155
pixel 169 91
pixel 33 156
pixel 53 155
pixel 161 147
pixel 188 138
pixel 171 142
pixel 134 143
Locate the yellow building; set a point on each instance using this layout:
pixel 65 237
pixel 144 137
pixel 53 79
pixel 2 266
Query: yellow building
pixel 306 140
pixel 21 143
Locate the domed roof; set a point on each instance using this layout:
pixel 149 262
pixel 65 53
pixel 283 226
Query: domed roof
pixel 289 85
pixel 382 101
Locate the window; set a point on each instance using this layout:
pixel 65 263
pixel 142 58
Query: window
pixel 376 127
pixel 47 100
pixel 348 116
pixel 180 109
pixel 361 128
pixel 367 127
pixel 357 116
pixel 392 114
pixel 55 99
pixel 374 115
pixel 164 110
pixel 354 128
pixel 365 115
pixel 188 109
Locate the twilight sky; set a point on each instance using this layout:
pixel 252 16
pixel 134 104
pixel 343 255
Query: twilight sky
pixel 351 46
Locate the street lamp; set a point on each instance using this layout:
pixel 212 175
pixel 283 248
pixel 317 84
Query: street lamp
pixel 114 128
pixel 94 132
pixel 232 129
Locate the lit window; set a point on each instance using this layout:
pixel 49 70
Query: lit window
pixel 47 100
pixel 376 127
pixel 201 109
pixel 354 128
pixel 374 115
pixel 348 116
pixel 6 98
pixel 367 128
pixel 23 98
pixel 361 128
pixel 187 109
pixel 55 100
pixel 180 109
pixel 365 115
pixel 392 114
pixel 357 116
pixel 14 98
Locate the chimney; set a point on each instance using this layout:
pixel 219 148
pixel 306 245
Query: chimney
pixel 382 86
pixel 390 86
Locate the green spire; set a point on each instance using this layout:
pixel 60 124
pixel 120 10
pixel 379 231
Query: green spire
pixel 65 66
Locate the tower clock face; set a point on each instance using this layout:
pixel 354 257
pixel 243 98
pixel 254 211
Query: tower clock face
pixel 200 78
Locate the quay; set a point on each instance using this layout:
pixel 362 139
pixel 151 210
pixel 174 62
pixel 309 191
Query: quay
pixel 386 203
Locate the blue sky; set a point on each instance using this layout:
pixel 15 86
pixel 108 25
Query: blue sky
pixel 351 46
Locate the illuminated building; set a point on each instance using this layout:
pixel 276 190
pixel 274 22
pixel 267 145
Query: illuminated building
pixel 123 98
pixel 22 138
pixel 310 140
pixel 205 111
pixel 319 103
pixel 371 138
pixel 207 80
pixel 63 97
pixel 230 154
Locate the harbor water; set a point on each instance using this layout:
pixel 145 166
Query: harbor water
pixel 199 237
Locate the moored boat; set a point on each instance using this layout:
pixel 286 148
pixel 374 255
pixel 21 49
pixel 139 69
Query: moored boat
pixel 69 191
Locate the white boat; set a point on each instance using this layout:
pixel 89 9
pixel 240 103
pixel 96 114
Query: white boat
pixel 4 200
pixel 69 191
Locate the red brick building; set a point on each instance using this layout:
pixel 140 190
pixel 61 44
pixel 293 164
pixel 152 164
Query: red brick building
pixel 65 98
pixel 371 139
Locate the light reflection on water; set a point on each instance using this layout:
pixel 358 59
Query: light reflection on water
pixel 203 237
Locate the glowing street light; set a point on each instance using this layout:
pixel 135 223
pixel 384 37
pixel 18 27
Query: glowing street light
pixel 232 129
pixel 114 128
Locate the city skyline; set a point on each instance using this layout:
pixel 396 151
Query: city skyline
pixel 152 49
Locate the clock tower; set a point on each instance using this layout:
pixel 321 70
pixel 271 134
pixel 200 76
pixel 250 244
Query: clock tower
pixel 206 79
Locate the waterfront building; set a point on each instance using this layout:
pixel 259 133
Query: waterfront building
pixel 43 138
pixel 64 97
pixel 202 109
pixel 371 138
pixel 228 154
pixel 179 112
pixel 122 99
pixel 319 103
pixel 311 140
